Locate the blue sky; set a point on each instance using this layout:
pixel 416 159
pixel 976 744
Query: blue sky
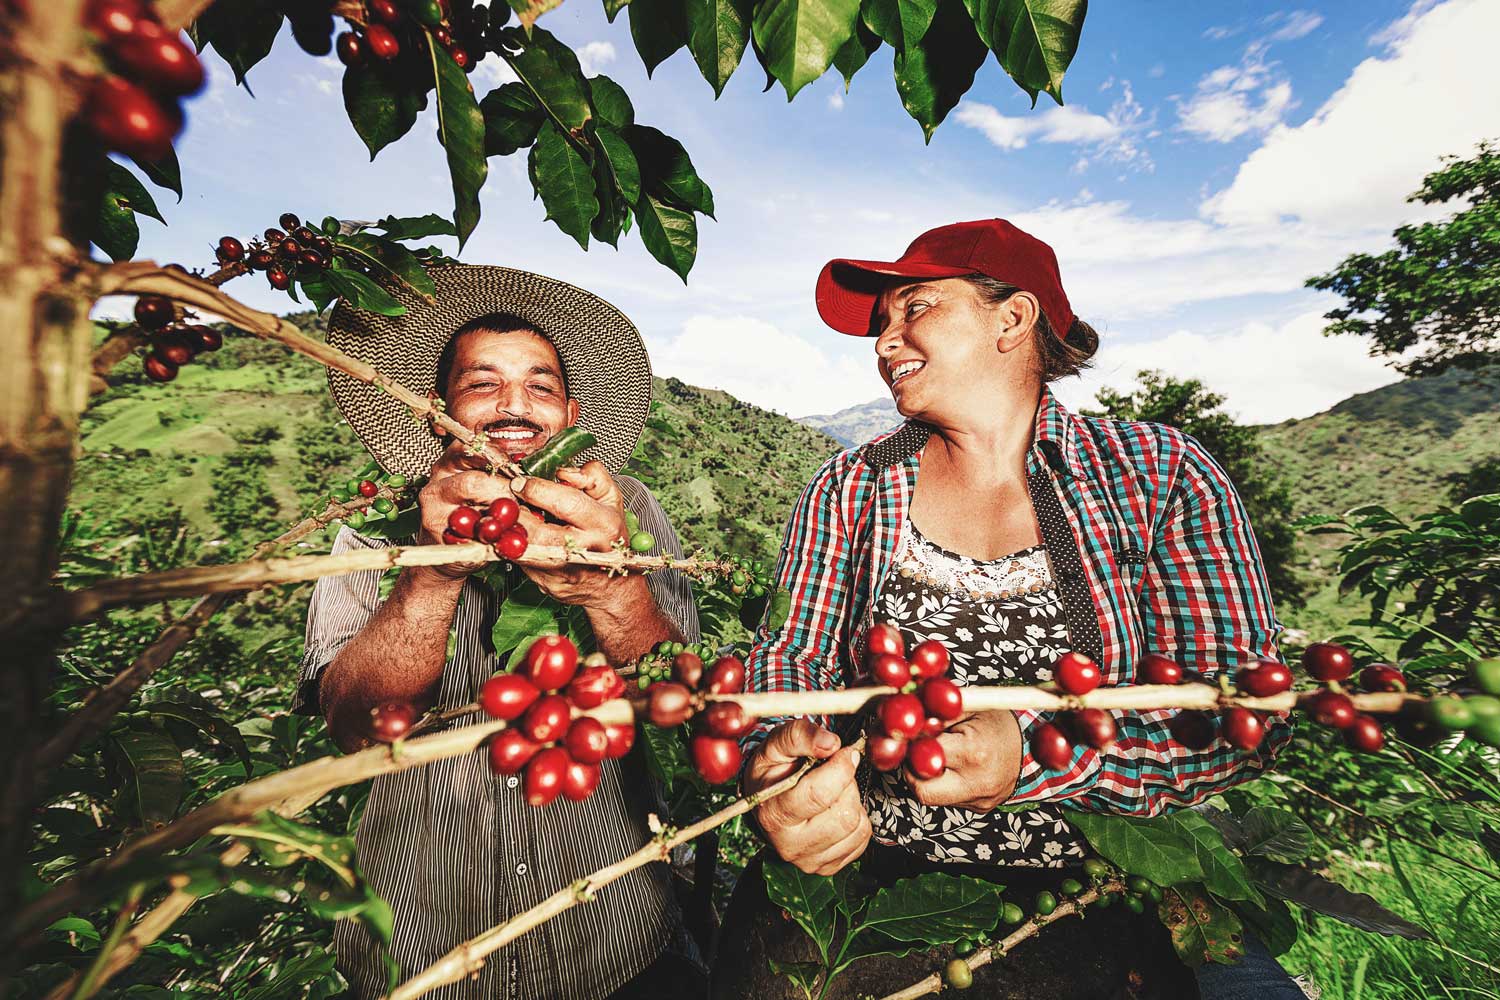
pixel 1209 159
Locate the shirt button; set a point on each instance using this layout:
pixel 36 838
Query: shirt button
pixel 512 781
pixel 521 868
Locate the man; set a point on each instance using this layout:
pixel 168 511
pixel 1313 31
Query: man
pixel 452 847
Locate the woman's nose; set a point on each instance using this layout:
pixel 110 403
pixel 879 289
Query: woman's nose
pixel 888 341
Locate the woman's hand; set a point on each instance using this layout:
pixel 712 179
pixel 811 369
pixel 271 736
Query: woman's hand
pixel 984 759
pixel 820 825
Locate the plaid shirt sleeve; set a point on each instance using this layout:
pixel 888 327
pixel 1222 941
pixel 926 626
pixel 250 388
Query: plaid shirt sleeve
pixel 1205 602
pixel 817 566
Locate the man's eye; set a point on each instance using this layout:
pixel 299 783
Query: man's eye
pixel 480 385
pixel 545 390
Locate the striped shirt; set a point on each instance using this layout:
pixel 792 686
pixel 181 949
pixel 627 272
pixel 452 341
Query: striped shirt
pixel 456 850
pixel 1152 551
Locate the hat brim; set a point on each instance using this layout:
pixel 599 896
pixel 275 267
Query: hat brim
pixel 603 356
pixel 847 289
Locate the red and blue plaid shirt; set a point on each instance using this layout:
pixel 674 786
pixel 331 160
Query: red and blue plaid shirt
pixel 1160 558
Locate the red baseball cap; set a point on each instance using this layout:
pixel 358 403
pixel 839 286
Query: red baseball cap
pixel 847 289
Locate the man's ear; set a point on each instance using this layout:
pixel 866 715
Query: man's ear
pixel 573 410
pixel 433 425
pixel 1016 318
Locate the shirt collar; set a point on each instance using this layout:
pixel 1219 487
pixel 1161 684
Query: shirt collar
pixel 1055 438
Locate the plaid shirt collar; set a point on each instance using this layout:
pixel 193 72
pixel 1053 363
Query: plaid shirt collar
pixel 1055 439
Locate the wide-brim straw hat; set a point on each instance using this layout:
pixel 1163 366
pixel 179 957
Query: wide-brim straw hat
pixel 604 360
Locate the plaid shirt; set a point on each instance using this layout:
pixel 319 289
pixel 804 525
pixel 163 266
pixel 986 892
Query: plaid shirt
pixel 1151 550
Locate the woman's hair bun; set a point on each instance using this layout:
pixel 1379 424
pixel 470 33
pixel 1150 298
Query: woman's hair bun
pixel 1082 338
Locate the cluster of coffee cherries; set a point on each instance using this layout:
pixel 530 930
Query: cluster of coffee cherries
pixel 1477 714
pixel 173 343
pixel 657 665
pixel 749 577
pixel 133 109
pixel 463 34
pixel 294 250
pixel 368 484
pixel 714 746
pixel 907 723
pixel 497 525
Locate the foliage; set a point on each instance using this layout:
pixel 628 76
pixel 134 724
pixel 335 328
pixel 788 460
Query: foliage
pixel 1438 291
pixel 1187 405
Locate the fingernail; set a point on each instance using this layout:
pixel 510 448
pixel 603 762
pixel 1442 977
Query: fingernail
pixel 854 759
pixel 518 484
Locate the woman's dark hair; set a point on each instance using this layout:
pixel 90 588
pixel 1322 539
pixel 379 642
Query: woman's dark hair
pixel 495 322
pixel 1057 357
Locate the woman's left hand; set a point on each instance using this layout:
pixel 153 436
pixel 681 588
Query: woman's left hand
pixel 984 759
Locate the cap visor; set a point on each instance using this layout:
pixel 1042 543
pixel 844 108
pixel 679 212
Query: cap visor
pixel 847 289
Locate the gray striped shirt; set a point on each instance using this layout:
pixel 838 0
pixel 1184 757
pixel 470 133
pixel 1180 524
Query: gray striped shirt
pixel 456 850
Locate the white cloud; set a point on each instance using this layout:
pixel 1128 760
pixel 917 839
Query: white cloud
pixel 1351 166
pixel 1233 101
pixel 1294 24
pixel 1266 373
pixel 1219 32
pixel 595 56
pixel 494 72
pixel 836 100
pixel 1110 135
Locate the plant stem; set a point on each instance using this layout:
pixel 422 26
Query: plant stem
pixel 89 984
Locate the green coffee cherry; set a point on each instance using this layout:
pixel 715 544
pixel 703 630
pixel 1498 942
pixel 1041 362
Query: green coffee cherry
pixel 1486 674
pixel 1104 900
pixel 353 485
pixel 642 541
pixel 396 482
pixel 1096 868
pixel 1483 706
pixel 383 504
pixel 355 520
pixel 1045 903
pixel 643 682
pixel 958 975
pixel 1450 712
pixel 1155 893
pixel 330 226
pixel 1012 914
pixel 1135 903
pixel 632 523
pixel 965 948
pixel 1138 884
pixel 1070 887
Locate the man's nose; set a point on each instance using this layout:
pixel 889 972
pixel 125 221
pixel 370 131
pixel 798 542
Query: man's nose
pixel 513 400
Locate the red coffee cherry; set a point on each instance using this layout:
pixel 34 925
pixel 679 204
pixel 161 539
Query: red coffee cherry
pixel 173 350
pixel 902 715
pixel 488 530
pixel 381 42
pixel 580 780
pixel 261 260
pixel 230 249
pixel 1329 708
pixel 670 704
pixel 367 488
pixel 207 338
pixel 1364 734
pixel 933 726
pixel 1382 677
pixel 593 686
pixel 158 370
pixel 1194 730
pixel 1076 674
pixel 886 752
pixel 510 750
pixel 1094 726
pixel 392 721
pixel 1157 669
pixel 289 247
pixel 544 776
pixel 1327 661
pixel 451 537
pixel 1050 747
pixel 926 759
pixel 1264 678
pixel 160 58
pixel 1242 728
pixel 129 120
pixel 889 670
pixel 929 659
pixel 687 668
pixel 505 510
pixel 384 11
pixel 727 719
pixel 442 36
pixel 463 521
pixel 279 279
pixel 547 719
pixel 884 638
pixel 716 759
pixel 507 696
pixel 289 221
pixel 274 236
pixel 587 742
pixel 621 739
pixel 551 662
pixel 350 48
pixel 512 543
pixel 113 20
pixel 153 312
pixel 464 60
pixel 310 258
pixel 942 698
pixel 726 676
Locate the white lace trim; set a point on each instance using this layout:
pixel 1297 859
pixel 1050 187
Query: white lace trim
pixel 1025 572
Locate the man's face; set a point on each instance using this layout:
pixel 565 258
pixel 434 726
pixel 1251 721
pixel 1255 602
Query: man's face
pixel 511 386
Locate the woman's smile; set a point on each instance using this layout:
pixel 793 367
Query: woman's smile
pixel 905 370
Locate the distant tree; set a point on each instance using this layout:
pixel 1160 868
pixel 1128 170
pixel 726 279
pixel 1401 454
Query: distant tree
pixel 1187 405
pixel 1440 287
pixel 1479 480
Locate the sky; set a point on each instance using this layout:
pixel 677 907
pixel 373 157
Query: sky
pixel 1209 159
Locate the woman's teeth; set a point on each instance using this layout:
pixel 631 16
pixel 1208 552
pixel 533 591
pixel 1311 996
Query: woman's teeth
pixel 904 369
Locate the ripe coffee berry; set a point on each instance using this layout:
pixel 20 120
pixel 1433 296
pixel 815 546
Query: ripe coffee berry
pixel 488 530
pixel 726 676
pixel 153 312
pixel 670 704
pixel 279 279
pixel 884 638
pixel 1242 728
pixel 1382 677
pixel 926 758
pixel 687 668
pixel 367 488
pixel 547 719
pixel 262 260
pixel 886 752
pixel 902 715
pixel 1364 735
pixel 312 259
pixel 158 370
pixel 288 247
pixel 544 776
pixel 274 236
pixel 463 521
pixel 587 742
pixel 716 759
pixel 929 659
pixel 1157 669
pixel 442 36
pixel 1094 726
pixel 289 221
pixel 621 739
pixel 301 233
pixel 512 543
pixel 159 57
pixel 1264 678
pixel 1076 674
pixel 129 120
pixel 230 249
pixel 173 350
pixel 941 698
pixel 381 42
pixel 933 726
pixel 206 337
pixel 1194 730
pixel 507 696
pixel 461 57
pixel 1327 661
pixel 384 11
pixel 350 49
pixel 889 670
pixel 113 20
pixel 1050 747
pixel 593 686
pixel 580 780
pixel 1329 708
pixel 551 662
pixel 505 510
pixel 392 721
pixel 725 718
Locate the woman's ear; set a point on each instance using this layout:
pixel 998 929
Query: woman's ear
pixel 1016 317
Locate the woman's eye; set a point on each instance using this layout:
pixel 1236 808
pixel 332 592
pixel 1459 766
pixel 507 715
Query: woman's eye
pixel 912 308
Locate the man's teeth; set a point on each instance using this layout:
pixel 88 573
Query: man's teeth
pixel 513 435
pixel 904 369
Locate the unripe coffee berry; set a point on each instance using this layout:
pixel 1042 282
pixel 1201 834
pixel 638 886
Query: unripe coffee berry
pixel 1070 887
pixel 958 975
pixel 1012 914
pixel 1046 903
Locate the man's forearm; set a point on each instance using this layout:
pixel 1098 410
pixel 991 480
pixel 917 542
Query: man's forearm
pixel 630 624
pixel 397 657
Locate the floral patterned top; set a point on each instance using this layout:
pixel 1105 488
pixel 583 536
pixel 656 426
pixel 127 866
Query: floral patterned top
pixel 1003 623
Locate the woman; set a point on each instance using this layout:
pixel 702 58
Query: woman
pixel 1012 530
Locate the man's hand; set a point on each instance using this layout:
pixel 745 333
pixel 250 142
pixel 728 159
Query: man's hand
pixel 591 512
pixel 820 825
pixel 984 760
pixel 458 480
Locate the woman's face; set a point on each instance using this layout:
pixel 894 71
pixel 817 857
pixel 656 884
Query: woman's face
pixel 940 346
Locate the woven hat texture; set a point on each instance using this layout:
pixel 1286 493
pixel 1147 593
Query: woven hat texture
pixel 603 356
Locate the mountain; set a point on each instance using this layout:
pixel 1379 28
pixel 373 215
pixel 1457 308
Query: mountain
pixel 856 424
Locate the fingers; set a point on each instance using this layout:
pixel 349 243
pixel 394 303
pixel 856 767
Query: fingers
pixel 791 741
pixel 457 458
pixel 818 795
pixel 840 855
pixel 595 524
pixel 593 479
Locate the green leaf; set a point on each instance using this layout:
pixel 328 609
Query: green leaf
pixel 670 234
pixel 933 75
pixel 612 8
pixel 621 160
pixel 165 173
pixel 240 32
pixel 512 117
pixel 319 292
pixel 1201 929
pixel 666 758
pixel 361 292
pixel 415 228
pixel 934 909
pixel 122 185
pixel 525 612
pixel 799 37
pixel 153 771
pixel 281 842
pixel 667 171
pixel 390 261
pixel 853 54
pixel 549 69
pixel 1314 892
pixel 899 23
pixel 461 131
pixel 1224 873
pixel 611 103
pixel 1155 847
pixel 869 943
pixel 380 106
pixel 115 230
pixel 1034 40
pixel 1276 834
pixel 218 729
pixel 804 974
pixel 809 899
pixel 659 28
pixel 565 182
pixel 1273 924
pixel 718 31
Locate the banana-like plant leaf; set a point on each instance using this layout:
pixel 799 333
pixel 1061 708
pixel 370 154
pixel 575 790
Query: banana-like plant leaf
pixel 461 131
pixel 1034 40
pixel 800 37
